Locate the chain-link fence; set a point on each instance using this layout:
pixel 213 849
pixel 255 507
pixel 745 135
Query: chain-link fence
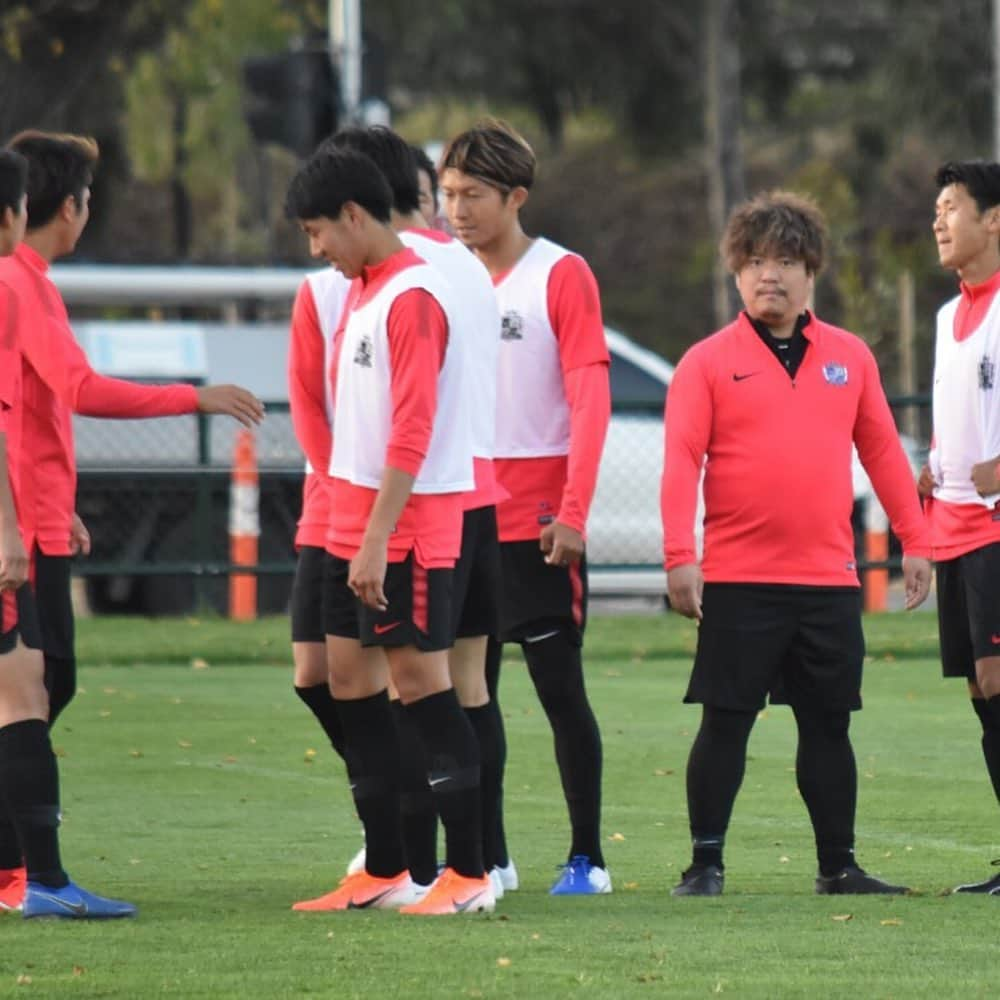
pixel 155 496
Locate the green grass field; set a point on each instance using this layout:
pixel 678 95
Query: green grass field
pixel 191 786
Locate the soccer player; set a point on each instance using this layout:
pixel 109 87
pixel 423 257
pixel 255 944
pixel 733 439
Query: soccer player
pixel 32 878
pixel 428 179
pixel 400 461
pixel 476 581
pixel 553 408
pixel 58 381
pixel 961 482
pixel 316 315
pixel 769 407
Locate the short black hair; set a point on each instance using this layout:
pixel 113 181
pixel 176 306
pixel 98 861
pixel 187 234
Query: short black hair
pixel 389 152
pixel 330 178
pixel 13 180
pixel 980 178
pixel 60 166
pixel 426 164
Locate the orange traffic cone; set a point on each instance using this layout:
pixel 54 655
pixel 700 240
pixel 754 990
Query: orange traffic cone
pixel 244 527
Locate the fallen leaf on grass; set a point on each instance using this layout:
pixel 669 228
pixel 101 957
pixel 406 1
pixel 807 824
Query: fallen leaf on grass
pixel 631 885
pixel 135 753
pixel 78 970
pixel 503 961
pixel 843 917
pixel 891 922
pixel 536 937
pixel 199 664
pixel 661 772
pixel 104 713
pixel 617 836
pixel 229 759
pixel 184 744
pixel 23 980
pixel 111 690
pixel 310 756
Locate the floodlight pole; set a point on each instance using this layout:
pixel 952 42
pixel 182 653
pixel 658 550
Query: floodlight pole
pixel 345 53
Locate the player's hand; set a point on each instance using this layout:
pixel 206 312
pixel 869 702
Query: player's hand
pixel 684 588
pixel 917 578
pixel 925 482
pixel 561 544
pixel 79 537
pixel 366 576
pixel 984 478
pixel 13 559
pixel 233 401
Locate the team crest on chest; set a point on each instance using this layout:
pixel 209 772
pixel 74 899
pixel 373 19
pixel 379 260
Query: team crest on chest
pixel 511 326
pixel 987 372
pixel 363 352
pixel 835 374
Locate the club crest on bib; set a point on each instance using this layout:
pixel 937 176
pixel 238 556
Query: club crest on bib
pixel 987 372
pixel 835 374
pixel 511 326
pixel 363 352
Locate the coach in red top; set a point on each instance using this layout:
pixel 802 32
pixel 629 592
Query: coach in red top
pixel 769 408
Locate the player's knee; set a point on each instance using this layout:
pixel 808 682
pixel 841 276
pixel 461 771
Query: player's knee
pixel 988 676
pixel 556 671
pixel 725 725
pixel 816 725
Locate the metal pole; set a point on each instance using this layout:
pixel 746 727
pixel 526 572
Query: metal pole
pixel 346 52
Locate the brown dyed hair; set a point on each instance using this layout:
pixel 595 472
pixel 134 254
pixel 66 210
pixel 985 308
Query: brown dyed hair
pixel 776 223
pixel 493 152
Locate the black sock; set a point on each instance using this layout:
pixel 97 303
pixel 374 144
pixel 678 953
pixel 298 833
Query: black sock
pixel 451 749
pixel 10 846
pixel 371 752
pixel 494 656
pixel 319 701
pixel 29 785
pixel 828 780
pixel 418 813
pixel 488 727
pixel 60 682
pixel 714 774
pixel 988 711
pixel 557 672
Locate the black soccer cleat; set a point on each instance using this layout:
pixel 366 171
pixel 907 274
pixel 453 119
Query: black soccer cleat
pixel 700 880
pixel 854 881
pixel 988 887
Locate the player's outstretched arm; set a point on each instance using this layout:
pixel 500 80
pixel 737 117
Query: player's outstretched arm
pixel 233 401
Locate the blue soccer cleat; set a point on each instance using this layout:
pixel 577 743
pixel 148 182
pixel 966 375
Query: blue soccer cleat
pixel 72 903
pixel 580 878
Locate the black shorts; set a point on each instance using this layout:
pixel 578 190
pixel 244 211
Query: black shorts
pixel 55 604
pixel 803 645
pixel 307 595
pixel 477 575
pixel 19 618
pixel 535 595
pixel 968 603
pixel 419 611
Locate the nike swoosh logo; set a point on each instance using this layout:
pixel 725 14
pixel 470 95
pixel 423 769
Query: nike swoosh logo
pixel 471 901
pixel 78 909
pixel 437 781
pixel 382 629
pixel 740 378
pixel 351 905
pixel 539 638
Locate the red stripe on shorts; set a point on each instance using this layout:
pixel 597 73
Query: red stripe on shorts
pixel 576 584
pixel 9 615
pixel 420 613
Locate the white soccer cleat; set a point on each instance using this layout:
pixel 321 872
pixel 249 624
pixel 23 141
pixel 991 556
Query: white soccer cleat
pixel 508 876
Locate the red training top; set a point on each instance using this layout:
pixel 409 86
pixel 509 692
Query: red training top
pixel 58 381
pixel 561 487
pixel 777 458
pixel 431 523
pixel 958 528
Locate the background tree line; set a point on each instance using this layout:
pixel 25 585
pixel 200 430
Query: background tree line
pixel 649 116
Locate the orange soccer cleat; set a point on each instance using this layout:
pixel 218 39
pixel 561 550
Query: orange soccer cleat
pixel 12 883
pixel 362 891
pixel 454 893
